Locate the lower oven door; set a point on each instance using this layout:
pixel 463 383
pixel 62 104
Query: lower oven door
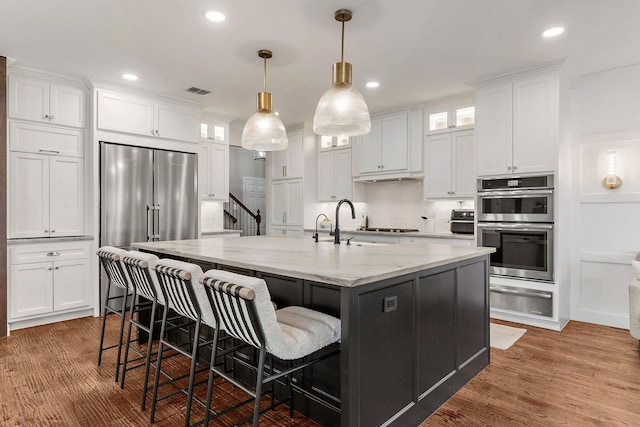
pixel 527 301
pixel 523 250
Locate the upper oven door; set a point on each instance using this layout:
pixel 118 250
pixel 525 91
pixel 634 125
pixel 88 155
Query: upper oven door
pixel 516 205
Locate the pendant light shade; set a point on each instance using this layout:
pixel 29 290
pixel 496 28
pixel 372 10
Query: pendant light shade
pixel 342 111
pixel 264 131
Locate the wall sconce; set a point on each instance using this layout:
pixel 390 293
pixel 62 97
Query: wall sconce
pixel 611 181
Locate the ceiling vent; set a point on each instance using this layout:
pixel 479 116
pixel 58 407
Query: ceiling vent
pixel 198 91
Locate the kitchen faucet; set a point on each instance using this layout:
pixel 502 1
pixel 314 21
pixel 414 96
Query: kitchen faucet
pixel 315 235
pixel 336 238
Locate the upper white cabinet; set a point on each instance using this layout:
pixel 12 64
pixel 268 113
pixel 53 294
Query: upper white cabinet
pixel 47 102
pixel 46 195
pixel 334 175
pixel 134 114
pixel 449 165
pixel 213 171
pixel 517 126
pixel 288 163
pixel 447 118
pixel 35 138
pixel 385 148
pixel 286 203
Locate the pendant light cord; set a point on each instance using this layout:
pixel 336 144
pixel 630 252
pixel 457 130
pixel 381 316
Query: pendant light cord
pixel 264 78
pixel 342 47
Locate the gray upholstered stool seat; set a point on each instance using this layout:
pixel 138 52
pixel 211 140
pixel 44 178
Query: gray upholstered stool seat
pixel 243 309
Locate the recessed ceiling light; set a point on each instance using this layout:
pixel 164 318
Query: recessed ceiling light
pixel 215 16
pixel 131 77
pixel 372 84
pixel 553 32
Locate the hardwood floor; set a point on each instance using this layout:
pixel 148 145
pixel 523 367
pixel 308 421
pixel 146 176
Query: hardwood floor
pixel 584 375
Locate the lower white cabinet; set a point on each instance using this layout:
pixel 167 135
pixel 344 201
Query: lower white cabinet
pixel 286 231
pixel 48 279
pixel 213 171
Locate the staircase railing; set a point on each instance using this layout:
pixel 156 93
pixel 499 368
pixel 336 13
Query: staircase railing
pixel 239 217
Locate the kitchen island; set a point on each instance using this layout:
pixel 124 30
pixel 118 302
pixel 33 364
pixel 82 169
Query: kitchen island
pixel 415 317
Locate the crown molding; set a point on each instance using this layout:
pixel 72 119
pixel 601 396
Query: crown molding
pixel 547 67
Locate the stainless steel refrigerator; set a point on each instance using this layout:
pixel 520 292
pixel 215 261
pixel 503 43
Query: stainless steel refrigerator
pixel 146 195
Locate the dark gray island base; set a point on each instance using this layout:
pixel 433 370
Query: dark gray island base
pixel 409 342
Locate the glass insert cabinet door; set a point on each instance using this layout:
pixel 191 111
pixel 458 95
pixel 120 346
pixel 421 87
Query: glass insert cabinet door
pixel 329 142
pixel 450 119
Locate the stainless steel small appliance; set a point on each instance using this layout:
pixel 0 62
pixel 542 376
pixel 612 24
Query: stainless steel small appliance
pixel 516 199
pixel 462 221
pixel 528 301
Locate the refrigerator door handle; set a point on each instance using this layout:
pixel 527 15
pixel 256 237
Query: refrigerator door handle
pixel 157 223
pixel 149 231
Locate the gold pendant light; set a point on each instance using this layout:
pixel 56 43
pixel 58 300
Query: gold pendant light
pixel 342 111
pixel 264 131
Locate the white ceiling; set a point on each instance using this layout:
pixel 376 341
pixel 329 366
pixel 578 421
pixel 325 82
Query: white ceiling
pixel 418 50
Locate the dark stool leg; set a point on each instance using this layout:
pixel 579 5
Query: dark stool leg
pixel 256 406
pixel 192 373
pixel 126 349
pixel 154 399
pixel 212 363
pixel 104 321
pixel 148 361
pixel 122 317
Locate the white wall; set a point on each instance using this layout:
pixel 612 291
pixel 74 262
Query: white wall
pixel 606 230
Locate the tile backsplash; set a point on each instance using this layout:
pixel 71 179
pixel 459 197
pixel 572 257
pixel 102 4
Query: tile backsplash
pixel 394 204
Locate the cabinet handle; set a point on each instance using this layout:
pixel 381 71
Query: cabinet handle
pixel 49 151
pixel 53 253
pixel 53 231
pixel 52 117
pixel 515 167
pixel 57 268
pixel 508 168
pixel 46 231
pixel 46 116
pixel 157 133
pixel 50 268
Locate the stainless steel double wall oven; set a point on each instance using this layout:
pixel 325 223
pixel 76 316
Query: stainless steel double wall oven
pixel 515 216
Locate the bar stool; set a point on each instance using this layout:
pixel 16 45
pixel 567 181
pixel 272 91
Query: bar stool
pixel 180 285
pixel 140 267
pixel 111 259
pixel 243 309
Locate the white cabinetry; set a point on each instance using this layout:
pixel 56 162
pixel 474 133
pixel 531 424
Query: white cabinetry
pixel 447 118
pixel 46 102
pixel 517 126
pixel 385 148
pixel 286 206
pixel 143 116
pixel 46 196
pixel 334 175
pixel 449 165
pixel 35 138
pixel 48 279
pixel 213 171
pixel 288 163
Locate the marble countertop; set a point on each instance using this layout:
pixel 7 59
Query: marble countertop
pixel 300 257
pixel 438 235
pixel 11 242
pixel 219 231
